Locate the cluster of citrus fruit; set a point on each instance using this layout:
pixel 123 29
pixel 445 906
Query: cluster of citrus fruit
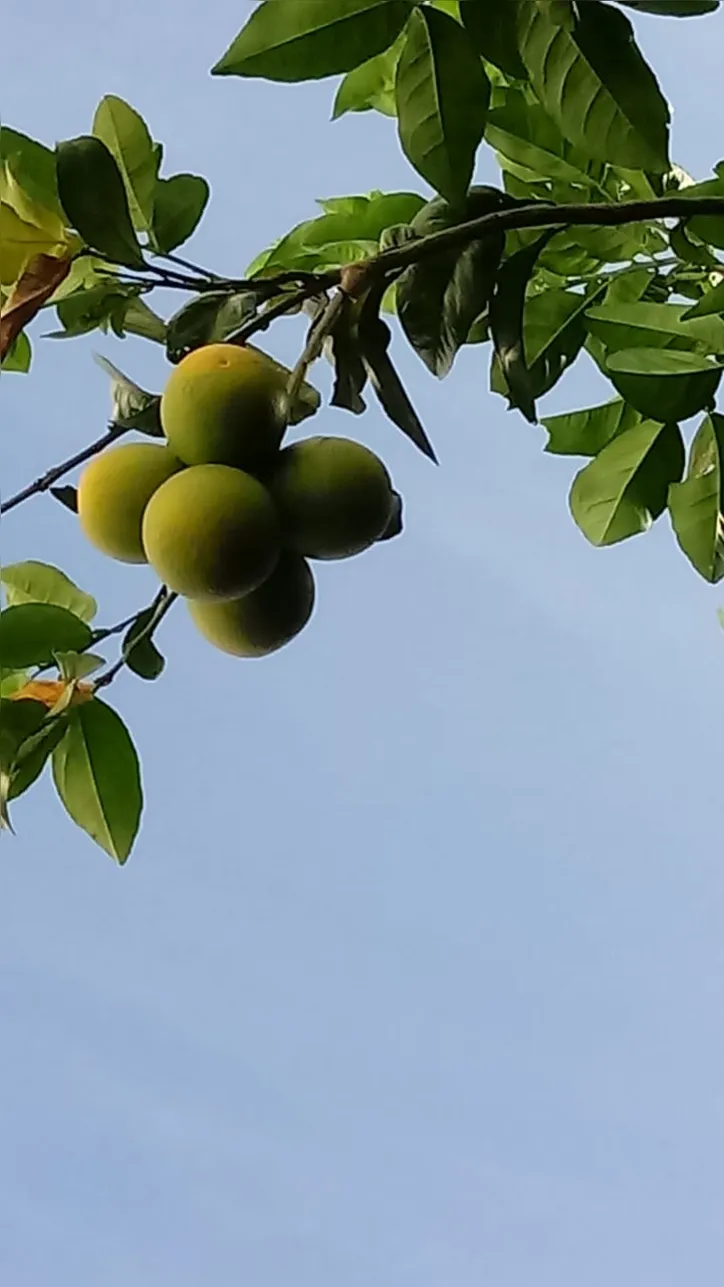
pixel 224 514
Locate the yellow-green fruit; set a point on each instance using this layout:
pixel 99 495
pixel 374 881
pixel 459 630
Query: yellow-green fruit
pixel 334 496
pixel 225 405
pixel 113 492
pixel 212 532
pixel 266 619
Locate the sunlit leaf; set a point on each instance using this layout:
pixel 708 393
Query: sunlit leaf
pixel 695 505
pixel 97 777
pixel 35 582
pixel 126 136
pixel 586 433
pixel 625 488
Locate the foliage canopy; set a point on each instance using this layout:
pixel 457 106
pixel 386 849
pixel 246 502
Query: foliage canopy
pixel 595 243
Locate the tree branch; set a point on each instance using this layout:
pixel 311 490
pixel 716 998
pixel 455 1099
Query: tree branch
pixel 160 605
pixel 44 483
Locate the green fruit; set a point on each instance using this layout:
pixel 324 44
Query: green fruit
pixel 334 496
pixel 212 532
pixel 113 492
pixel 225 405
pixel 265 620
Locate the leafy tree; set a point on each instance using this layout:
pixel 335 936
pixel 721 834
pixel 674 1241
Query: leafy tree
pixel 595 242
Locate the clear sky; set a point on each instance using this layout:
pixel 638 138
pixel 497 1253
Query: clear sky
pixel 416 975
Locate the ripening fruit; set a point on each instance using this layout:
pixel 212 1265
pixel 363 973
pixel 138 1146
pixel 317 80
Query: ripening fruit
pixel 212 532
pixel 225 405
pixel 113 492
pixel 334 496
pixel 266 619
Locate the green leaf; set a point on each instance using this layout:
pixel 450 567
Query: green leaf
pixel 529 142
pixel 126 136
pixel 34 582
pixel 131 406
pixel 93 197
pixel 293 40
pixel 622 491
pixel 92 308
pixel 32 165
pixel 507 308
pixel 143 658
pixel 711 302
pixel 31 632
pixel 553 336
pixel 350 373
pixel 695 505
pixel 648 325
pixel 208 319
pixel 492 27
pixel 18 721
pixel 133 316
pixel 374 340
pixel 18 356
pixel 97 777
pixel 34 752
pixel 595 84
pixel 442 102
pixel 67 496
pixel 370 87
pixel 664 384
pixel 179 203
pixel 350 229
pixel 439 298
pixel 78 665
pixel 586 433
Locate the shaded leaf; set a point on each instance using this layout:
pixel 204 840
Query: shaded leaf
pixel 586 433
pixel 143 658
pixel 18 721
pixel 294 40
pixel 595 84
pixel 31 632
pixel 35 582
pixel 622 491
pixel 711 302
pixel 664 384
pixel 179 203
pixel 374 339
pixel 553 335
pixel 439 298
pixel 131 406
pixel 67 496
pixel 506 323
pixel 492 27
pixel 93 307
pixel 530 143
pixel 93 197
pixel 395 525
pixel 442 101
pixel 695 504
pixel 673 8
pixel 127 138
pixel 350 374
pixel 208 319
pixel 36 285
pixel 97 777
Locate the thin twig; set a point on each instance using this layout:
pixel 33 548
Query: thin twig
pixel 158 609
pixel 264 320
pixel 194 268
pixel 44 483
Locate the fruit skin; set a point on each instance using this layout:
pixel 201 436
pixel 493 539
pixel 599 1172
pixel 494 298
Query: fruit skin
pixel 113 492
pixel 265 620
pixel 212 532
pixel 225 405
pixel 334 496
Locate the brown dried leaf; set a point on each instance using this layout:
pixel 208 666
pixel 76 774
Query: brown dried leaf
pixel 41 279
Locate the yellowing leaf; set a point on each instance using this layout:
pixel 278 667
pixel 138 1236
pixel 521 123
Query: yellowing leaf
pixel 37 281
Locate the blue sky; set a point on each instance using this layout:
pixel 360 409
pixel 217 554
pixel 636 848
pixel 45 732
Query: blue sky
pixel 416 975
